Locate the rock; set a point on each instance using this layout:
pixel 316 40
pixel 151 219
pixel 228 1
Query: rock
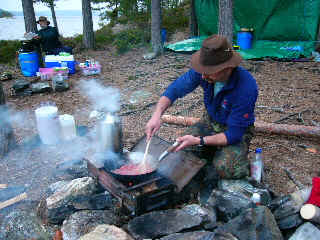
pixel 54 187
pixel 245 189
pixel 76 168
pixel 197 235
pixel 161 223
pixel 22 225
pixel 107 232
pixel 290 221
pixel 254 224
pixel 5 76
pixel 40 87
pixel 67 200
pixel 209 218
pixel 150 56
pixel 307 231
pixel 20 84
pixel 228 205
pixel 82 222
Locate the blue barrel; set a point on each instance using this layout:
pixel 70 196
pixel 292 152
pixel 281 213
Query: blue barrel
pixel 244 40
pixel 163 35
pixel 29 63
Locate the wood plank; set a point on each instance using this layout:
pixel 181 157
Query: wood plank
pixel 13 200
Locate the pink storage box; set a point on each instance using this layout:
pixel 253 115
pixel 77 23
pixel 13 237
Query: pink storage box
pixel 46 73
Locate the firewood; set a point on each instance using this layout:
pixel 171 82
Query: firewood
pixel 310 212
pixel 260 126
pixel 13 200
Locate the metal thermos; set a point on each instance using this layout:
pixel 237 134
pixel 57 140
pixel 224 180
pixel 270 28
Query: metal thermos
pixel 110 133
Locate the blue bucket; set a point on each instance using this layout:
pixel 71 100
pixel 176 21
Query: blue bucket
pixel 29 63
pixel 244 40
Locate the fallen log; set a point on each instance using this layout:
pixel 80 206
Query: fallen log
pixel 310 212
pixel 260 126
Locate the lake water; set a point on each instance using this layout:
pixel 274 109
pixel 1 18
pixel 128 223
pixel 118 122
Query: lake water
pixel 13 28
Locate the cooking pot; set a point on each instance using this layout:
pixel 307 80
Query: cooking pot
pixel 131 158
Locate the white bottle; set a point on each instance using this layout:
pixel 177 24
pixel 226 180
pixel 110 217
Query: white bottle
pixel 257 166
pixel 68 127
pixel 256 198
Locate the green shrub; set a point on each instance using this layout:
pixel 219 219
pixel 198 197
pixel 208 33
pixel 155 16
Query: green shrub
pixel 104 36
pixel 8 50
pixel 130 38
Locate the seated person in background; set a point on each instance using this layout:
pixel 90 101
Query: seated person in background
pixel 49 38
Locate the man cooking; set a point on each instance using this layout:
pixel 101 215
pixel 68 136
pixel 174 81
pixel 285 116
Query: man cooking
pixel 230 92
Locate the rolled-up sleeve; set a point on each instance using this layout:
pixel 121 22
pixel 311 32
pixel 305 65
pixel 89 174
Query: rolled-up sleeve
pixel 183 85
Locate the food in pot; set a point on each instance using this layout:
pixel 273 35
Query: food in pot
pixel 134 169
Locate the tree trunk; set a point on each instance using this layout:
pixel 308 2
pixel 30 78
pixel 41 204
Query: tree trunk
pixel 29 16
pixel 156 27
pixel 193 20
pixel 7 139
pixel 54 18
pixel 88 34
pixel 226 19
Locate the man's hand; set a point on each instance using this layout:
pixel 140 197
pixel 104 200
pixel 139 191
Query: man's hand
pixel 155 122
pixel 152 127
pixel 187 141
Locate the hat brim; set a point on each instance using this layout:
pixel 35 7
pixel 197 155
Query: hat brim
pixel 38 22
pixel 234 61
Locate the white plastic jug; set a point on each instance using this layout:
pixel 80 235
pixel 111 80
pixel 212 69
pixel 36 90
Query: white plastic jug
pixel 68 127
pixel 48 124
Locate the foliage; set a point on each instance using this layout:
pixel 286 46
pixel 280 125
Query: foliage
pixel 4 14
pixel 128 39
pixel 104 36
pixel 175 18
pixel 8 50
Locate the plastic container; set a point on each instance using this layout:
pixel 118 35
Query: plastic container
pixel 244 39
pixel 90 69
pixel 163 35
pixel 257 166
pixel 46 73
pixel 57 61
pixel 59 82
pixel 68 127
pixel 256 198
pixel 48 124
pixel 29 63
pixel 70 63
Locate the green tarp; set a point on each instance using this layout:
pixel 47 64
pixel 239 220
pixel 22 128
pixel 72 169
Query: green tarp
pixel 280 26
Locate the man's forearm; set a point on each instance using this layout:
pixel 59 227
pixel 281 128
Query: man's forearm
pixel 219 139
pixel 162 106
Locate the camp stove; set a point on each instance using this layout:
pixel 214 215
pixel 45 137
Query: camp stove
pixel 137 198
pixel 156 191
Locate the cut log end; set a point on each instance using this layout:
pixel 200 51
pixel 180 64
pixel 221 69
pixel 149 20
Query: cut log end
pixel 308 211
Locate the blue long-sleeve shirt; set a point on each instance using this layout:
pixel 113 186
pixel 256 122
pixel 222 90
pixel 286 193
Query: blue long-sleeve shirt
pixel 233 106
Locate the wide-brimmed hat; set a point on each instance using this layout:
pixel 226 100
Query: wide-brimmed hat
pixel 215 54
pixel 42 18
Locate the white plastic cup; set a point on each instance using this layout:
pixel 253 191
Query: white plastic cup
pixel 48 124
pixel 68 127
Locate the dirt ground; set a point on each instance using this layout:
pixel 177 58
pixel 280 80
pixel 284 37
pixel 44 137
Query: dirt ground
pixel 285 88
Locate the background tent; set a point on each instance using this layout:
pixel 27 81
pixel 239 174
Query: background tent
pixel 282 28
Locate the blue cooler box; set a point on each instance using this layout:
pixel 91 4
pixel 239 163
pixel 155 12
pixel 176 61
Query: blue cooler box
pixel 56 61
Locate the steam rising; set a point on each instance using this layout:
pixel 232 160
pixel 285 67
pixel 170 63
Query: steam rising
pixel 101 97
